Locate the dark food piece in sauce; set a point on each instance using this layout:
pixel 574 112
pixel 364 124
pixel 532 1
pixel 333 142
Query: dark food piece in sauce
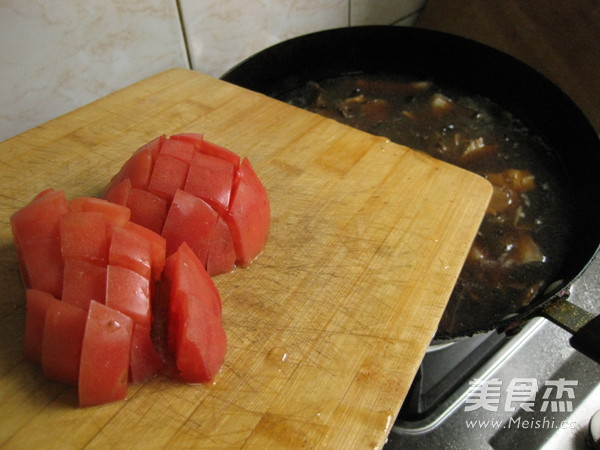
pixel 523 237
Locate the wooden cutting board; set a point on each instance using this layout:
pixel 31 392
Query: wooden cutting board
pixel 326 329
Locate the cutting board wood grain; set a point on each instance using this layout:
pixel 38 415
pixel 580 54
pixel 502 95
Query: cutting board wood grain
pixel 326 329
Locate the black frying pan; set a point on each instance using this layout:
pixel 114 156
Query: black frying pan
pixel 455 61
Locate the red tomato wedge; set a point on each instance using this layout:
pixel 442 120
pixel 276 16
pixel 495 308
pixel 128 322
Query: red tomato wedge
pixel 83 282
pixel 191 220
pixel 249 214
pixel 83 235
pixel 195 332
pixel 144 361
pixel 105 352
pixel 132 251
pixel 36 230
pixel 216 177
pixel 129 292
pixel 63 336
pixel 35 318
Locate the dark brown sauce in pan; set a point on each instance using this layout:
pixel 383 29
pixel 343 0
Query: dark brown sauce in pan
pixel 523 237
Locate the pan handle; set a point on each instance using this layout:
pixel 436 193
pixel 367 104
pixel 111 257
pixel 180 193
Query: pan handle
pixel 584 326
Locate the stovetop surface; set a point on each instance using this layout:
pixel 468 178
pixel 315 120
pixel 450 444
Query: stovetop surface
pixel 538 371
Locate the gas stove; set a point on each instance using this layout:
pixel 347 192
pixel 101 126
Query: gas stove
pixel 530 390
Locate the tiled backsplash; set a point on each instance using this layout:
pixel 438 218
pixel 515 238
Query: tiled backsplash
pixel 57 55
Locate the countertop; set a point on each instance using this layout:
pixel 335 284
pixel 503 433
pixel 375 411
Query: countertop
pixel 559 38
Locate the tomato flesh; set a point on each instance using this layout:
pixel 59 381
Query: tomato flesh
pixel 128 292
pixel 62 341
pixel 83 236
pixel 144 361
pixel 191 220
pixel 83 282
pixel 168 176
pixel 147 209
pixel 104 365
pixel 129 249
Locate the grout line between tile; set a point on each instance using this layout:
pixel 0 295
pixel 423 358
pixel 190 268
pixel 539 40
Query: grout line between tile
pixel 184 34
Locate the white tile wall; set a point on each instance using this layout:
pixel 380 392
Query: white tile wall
pixel 57 55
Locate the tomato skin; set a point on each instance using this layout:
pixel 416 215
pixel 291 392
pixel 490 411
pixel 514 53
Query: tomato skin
pixel 118 193
pixel 249 215
pixel 212 149
pixel 191 220
pixel 61 346
pixel 169 175
pixel 147 209
pixel 138 168
pixel 158 247
pixel 194 138
pixel 195 332
pixel 37 303
pixel 36 230
pixel 221 254
pixel 201 341
pixel 211 179
pixel 178 149
pixel 105 353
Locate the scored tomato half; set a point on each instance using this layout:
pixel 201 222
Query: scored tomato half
pixel 213 175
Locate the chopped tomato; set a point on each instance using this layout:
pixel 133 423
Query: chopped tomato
pixel 178 149
pixel 119 192
pixel 63 336
pixel 128 292
pixel 36 230
pixel 147 209
pixel 216 176
pixel 211 179
pixel 129 249
pixel 145 361
pixel 114 215
pixel 195 138
pixel 83 282
pixel 195 332
pixel 158 247
pixel 83 235
pixel 211 149
pixel 249 215
pixel 104 364
pixel 35 318
pixel 191 220
pixel 105 277
pixel 221 254
pixel 168 176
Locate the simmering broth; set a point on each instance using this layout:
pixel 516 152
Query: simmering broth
pixel 524 234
